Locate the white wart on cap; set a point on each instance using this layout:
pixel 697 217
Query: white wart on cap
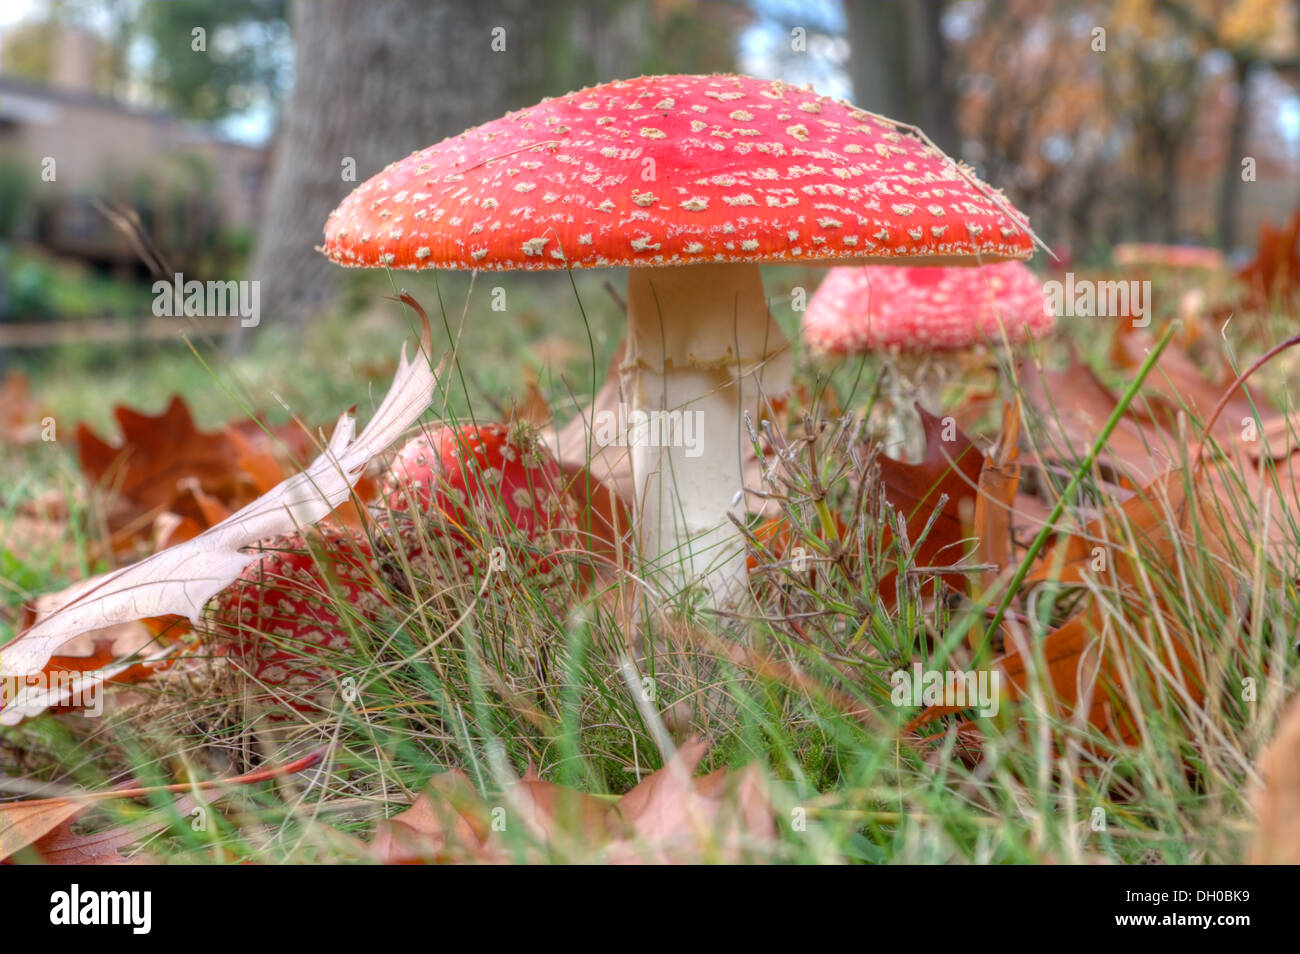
pixel 925 309
pixel 673 170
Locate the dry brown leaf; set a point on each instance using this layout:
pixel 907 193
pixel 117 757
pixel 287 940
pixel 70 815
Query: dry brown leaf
pixel 678 819
pixel 1277 801
pixel 670 817
pixel 654 792
pixel 20 415
pixel 1275 270
pixel 270 455
pixel 1177 383
pixel 999 481
pixel 1273 486
pixel 1159 520
pixel 1228 501
pixel 555 351
pixel 171 481
pixel 122 654
pixel 554 814
pixel 951 468
pixel 156 455
pixel 63 846
pixel 1073 406
pixel 24 824
pixel 533 409
pixel 1083 668
pixel 447 822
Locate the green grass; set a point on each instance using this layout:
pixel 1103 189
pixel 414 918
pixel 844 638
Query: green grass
pixel 39 287
pixel 492 676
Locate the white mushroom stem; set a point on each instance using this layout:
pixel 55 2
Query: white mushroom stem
pixel 702 352
pixel 914 378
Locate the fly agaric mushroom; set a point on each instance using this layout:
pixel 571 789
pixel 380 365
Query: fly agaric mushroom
pixel 691 182
pixel 920 315
pixel 279 620
pixel 1171 257
pixel 481 486
pixel 1201 272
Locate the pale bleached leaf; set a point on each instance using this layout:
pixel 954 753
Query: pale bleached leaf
pixel 22 701
pixel 181 579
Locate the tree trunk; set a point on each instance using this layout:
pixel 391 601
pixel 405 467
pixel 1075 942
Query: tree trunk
pixel 930 76
pixel 374 81
pixel 1230 186
pixel 897 64
pixel 878 56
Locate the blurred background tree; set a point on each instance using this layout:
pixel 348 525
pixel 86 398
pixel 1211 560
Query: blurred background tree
pixel 1105 119
pixel 1109 119
pixel 30 45
pixel 378 80
pixel 147 51
pixel 248 61
pixel 1256 36
pixel 900 64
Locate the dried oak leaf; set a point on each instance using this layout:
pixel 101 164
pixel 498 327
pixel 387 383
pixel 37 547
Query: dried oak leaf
pixel 1275 270
pixel 1177 383
pixel 996 501
pixel 43 825
pixel 670 817
pixel 157 453
pixel 269 454
pixel 1088 658
pixel 122 654
pixel 1277 800
pixel 950 468
pixel 20 415
pixel 1072 406
pixel 725 817
pixel 447 822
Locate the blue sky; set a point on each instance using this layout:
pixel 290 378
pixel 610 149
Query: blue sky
pixel 764 46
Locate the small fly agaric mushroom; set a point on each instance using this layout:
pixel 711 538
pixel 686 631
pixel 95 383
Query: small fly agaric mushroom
pixel 1201 271
pixel 279 618
pixel 481 487
pixel 691 182
pixel 1171 257
pixel 920 315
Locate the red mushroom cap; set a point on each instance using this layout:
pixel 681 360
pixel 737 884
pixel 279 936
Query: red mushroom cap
pixel 278 618
pixel 482 485
pixel 925 309
pixel 675 170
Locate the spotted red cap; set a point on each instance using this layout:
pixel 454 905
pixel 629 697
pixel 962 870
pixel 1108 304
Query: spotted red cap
pixel 925 309
pixel 483 485
pixel 675 170
pixel 279 618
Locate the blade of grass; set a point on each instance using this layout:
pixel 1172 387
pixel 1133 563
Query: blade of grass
pixel 1076 480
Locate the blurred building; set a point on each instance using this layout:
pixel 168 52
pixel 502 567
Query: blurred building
pixel 64 145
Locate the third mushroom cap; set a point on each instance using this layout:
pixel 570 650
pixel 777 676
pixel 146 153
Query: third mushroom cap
pixel 691 182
